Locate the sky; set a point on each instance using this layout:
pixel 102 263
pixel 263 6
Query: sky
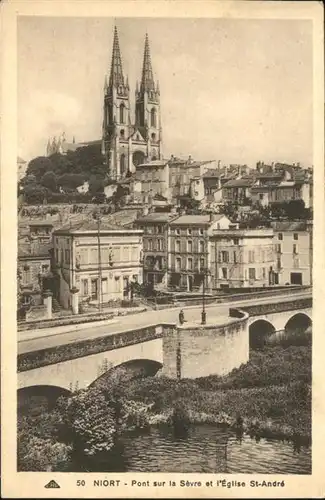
pixel 234 90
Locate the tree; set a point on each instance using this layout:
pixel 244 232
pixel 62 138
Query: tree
pixel 38 166
pixel 49 181
pixel 88 421
pixel 71 181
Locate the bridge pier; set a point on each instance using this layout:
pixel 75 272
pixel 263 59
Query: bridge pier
pixel 193 350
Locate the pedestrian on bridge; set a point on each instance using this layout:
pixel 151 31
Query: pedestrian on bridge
pixel 181 316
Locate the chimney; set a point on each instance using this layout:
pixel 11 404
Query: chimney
pixel 190 159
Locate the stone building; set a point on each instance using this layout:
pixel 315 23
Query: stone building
pixel 154 178
pixel 293 252
pixel 96 262
pixel 155 246
pixel 127 143
pixel 181 173
pixel 34 270
pixel 189 250
pixel 242 258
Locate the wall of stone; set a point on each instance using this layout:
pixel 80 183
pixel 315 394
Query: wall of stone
pixel 198 351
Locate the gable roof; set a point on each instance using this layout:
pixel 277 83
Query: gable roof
pixel 242 182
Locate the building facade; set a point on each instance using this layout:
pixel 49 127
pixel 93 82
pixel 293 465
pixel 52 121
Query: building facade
pixel 181 173
pixel 189 250
pixel 155 246
pixel 242 258
pixel 154 177
pixel 34 269
pixel 127 143
pixel 96 263
pixel 293 252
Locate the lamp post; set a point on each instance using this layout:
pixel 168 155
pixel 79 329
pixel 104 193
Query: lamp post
pixel 203 313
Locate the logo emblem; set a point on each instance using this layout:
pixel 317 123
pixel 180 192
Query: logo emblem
pixel 52 484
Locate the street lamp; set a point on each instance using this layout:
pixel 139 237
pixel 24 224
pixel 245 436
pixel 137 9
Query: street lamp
pixel 203 313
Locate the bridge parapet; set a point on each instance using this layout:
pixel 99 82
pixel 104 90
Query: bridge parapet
pixel 278 307
pixel 67 352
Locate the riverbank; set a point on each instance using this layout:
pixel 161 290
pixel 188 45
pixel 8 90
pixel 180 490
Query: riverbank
pixel 271 395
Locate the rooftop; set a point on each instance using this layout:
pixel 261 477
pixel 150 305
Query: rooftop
pixel 290 226
pixel 156 217
pixel 89 226
pixel 196 219
pixel 243 182
pixel 154 163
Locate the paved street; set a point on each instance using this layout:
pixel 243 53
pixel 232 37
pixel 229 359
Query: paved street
pixel 216 313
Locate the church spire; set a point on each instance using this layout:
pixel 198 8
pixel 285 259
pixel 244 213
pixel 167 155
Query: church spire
pixel 147 81
pixel 116 77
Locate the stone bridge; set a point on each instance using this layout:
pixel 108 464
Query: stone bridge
pixel 187 351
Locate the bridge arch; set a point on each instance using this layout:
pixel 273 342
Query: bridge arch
pixel 259 331
pixel 36 398
pixel 298 323
pixel 134 368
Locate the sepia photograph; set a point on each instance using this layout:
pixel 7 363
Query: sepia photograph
pixel 165 247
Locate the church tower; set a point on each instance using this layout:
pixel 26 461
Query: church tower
pixel 116 122
pixel 127 143
pixel 147 108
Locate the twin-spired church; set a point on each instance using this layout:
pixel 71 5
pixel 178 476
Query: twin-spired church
pixel 128 140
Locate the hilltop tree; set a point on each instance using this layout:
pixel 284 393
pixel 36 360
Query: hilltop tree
pixel 38 166
pixel 49 181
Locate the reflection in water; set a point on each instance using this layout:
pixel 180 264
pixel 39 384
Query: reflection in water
pixel 206 449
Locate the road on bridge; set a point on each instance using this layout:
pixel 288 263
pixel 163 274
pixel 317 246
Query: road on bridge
pixel 29 341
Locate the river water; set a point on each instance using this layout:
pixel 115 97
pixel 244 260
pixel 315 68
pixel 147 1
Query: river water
pixel 206 449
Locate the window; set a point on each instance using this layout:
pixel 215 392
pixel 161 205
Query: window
pixel 201 246
pixel 177 246
pixel 122 164
pixel 159 229
pixel 263 273
pixel 190 264
pixel 189 231
pixel 150 245
pixel 84 287
pixel 189 246
pixel 201 265
pixel 26 275
pixel 295 248
pixel 117 284
pixel 178 231
pixel 178 264
pixel 236 241
pixel 279 248
pixel 224 256
pixel 67 256
pixel 295 236
pixel 122 133
pixel 279 262
pixel 235 258
pixel 251 256
pixel 94 288
pixel 44 268
pixel 153 116
pixel 280 236
pixel 251 273
pixel 104 285
pixel 153 137
pixel 122 113
pixel 159 245
pixel 224 271
pixel 57 255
